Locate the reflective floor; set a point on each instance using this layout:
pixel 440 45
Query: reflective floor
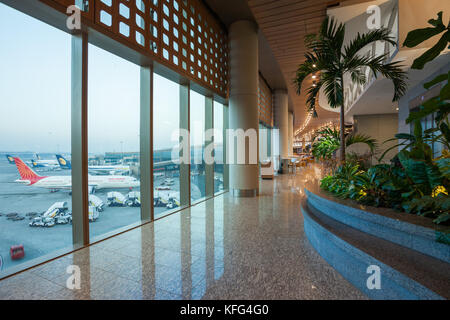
pixel 224 248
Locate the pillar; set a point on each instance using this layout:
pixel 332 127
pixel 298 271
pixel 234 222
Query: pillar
pixel 79 140
pixel 243 105
pixel 280 99
pixel 290 133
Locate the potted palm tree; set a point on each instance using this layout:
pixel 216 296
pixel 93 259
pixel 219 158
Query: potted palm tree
pixel 330 60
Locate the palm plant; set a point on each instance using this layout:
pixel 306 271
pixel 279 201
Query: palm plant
pixel 332 60
pixel 328 141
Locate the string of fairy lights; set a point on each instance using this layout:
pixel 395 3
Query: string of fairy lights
pixel 311 133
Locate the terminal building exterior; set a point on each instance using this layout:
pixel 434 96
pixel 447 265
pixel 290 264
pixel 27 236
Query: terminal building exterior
pixel 198 97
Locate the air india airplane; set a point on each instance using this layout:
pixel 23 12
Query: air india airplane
pixel 30 178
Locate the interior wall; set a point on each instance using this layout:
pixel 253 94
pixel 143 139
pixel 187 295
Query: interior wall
pixel 417 92
pixel 379 126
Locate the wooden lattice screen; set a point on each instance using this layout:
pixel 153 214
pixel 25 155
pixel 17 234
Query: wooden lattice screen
pixel 264 102
pixel 181 34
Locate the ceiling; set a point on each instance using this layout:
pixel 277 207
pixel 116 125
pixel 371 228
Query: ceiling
pixel 378 97
pixel 233 10
pixel 282 27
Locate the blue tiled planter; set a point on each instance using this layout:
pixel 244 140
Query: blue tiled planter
pixel 412 236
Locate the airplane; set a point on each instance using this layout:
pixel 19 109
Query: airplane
pixel 39 163
pixel 96 170
pixel 10 159
pixel 30 178
pixel 63 162
pixel 43 164
pixel 49 164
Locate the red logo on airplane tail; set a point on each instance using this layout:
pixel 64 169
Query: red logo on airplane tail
pixel 26 173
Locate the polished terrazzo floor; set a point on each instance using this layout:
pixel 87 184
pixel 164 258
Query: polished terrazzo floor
pixel 224 248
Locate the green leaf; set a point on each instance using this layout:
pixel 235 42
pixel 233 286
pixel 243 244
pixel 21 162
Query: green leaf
pixel 420 172
pixel 442 218
pixel 418 36
pixel 444 167
pixel 429 107
pixel 445 92
pixel 405 136
pixel 431 53
pixel 439 78
pixel 438 22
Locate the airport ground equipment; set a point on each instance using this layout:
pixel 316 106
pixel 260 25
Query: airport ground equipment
pixel 95 201
pixel 116 199
pixel 133 199
pixel 173 203
pixel 93 214
pixel 17 252
pixel 168 182
pixel 159 202
pixel 56 214
pixel 12 214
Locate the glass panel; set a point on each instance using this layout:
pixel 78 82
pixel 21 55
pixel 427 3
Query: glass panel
pixel 166 164
pixel 197 125
pixel 276 148
pixel 218 147
pixel 113 128
pixel 35 121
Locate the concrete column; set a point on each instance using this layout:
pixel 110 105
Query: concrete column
pixel 280 99
pixel 79 142
pixel 290 133
pixel 243 104
pixel 185 167
pixel 209 168
pixel 146 143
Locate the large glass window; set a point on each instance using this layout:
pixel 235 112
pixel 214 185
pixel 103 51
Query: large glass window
pixel 166 164
pixel 114 122
pixel 35 201
pixel 265 145
pixel 197 125
pixel 218 147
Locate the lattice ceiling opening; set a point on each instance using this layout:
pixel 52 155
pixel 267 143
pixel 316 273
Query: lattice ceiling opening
pixel 181 34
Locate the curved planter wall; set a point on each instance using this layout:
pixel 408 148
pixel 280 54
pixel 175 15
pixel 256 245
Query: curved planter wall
pixel 352 264
pixel 337 231
pixel 405 234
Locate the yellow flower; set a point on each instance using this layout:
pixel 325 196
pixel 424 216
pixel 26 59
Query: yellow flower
pixel 438 190
pixel 362 193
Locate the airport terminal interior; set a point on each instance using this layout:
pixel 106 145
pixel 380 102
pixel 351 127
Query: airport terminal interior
pixel 239 149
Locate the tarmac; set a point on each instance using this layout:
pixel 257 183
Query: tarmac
pixel 39 241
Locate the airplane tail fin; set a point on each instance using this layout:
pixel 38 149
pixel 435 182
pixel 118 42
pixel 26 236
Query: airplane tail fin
pixel 34 164
pixel 26 173
pixel 63 162
pixel 10 159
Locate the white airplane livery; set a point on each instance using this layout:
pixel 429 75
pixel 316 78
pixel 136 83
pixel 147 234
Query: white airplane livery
pixel 30 178
pixel 97 170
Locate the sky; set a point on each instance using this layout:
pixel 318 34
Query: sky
pixel 35 94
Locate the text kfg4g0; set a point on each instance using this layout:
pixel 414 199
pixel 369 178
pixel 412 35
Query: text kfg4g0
pixel 246 309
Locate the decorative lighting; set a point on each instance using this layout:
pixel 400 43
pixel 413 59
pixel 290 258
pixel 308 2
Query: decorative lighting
pixel 308 135
pixel 314 76
pixel 314 65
